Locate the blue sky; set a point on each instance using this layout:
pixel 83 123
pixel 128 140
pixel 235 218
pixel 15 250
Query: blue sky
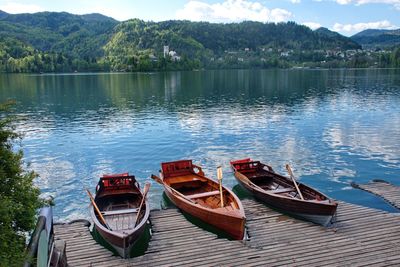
pixel 344 16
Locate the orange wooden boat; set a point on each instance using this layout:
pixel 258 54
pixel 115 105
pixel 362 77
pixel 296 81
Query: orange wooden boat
pixel 119 200
pixel 200 197
pixel 280 192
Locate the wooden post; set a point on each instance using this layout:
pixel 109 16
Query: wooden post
pixel 219 175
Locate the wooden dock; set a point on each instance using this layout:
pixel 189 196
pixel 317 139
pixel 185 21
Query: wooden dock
pixel 361 237
pixel 385 190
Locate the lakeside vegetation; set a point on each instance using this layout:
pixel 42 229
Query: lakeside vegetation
pixel 62 42
pixel 19 198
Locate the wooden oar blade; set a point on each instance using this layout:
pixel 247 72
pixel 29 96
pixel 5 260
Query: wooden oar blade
pixel 157 179
pixel 146 189
pixel 219 173
pixel 221 194
pixel 289 170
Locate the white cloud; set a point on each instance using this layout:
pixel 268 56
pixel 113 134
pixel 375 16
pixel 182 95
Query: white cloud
pixel 312 25
pixel 343 2
pixel 231 11
pixel 383 25
pixel 295 1
pixel 396 3
pixel 15 8
pixel 116 13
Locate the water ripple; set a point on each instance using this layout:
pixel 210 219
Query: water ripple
pixel 332 126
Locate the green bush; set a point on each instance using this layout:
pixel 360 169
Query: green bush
pixel 19 198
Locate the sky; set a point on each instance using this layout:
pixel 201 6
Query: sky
pixel 344 16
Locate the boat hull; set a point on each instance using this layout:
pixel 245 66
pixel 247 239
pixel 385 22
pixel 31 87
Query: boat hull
pixel 233 224
pixel 122 243
pixel 316 212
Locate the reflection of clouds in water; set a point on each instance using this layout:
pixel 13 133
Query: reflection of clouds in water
pixel 337 174
pixel 342 133
pixel 76 210
pixel 102 166
pixel 223 136
pixel 107 121
pixel 294 151
pixel 232 120
pixel 53 172
pixel 57 178
pixel 371 142
pixel 32 127
pixel 347 188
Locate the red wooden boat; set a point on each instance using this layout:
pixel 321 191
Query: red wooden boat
pixel 187 187
pixel 280 192
pixel 118 198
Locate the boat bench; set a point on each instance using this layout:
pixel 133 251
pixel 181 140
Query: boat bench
pixel 281 191
pixel 205 194
pixel 321 201
pixel 116 212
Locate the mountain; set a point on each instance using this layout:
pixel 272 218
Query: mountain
pixel 3 14
pixel 53 41
pixel 77 35
pixel 326 32
pixel 338 38
pixel 377 38
pixel 193 37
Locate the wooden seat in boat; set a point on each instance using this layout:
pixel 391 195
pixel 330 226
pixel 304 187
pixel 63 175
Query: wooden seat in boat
pixel 204 194
pixel 281 191
pixel 116 212
pixel 321 201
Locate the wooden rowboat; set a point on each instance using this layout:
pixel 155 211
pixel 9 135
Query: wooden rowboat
pixel 187 187
pixel 119 200
pixel 281 193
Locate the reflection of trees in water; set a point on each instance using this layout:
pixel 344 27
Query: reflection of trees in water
pixel 331 125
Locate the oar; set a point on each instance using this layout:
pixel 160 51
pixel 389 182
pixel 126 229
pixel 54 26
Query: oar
pixel 250 183
pixel 219 176
pixel 294 180
pixel 158 180
pixel 97 210
pixel 145 190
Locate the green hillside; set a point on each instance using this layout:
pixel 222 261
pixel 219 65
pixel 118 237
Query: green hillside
pixel 378 38
pixel 49 41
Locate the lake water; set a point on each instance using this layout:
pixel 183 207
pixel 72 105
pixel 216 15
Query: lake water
pixel 332 126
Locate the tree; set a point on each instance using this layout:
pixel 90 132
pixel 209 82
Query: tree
pixel 396 58
pixel 19 198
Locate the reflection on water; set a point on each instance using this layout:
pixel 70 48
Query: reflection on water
pixel 332 126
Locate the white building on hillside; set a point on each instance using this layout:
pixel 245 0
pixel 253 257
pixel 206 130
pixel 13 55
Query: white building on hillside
pixel 174 56
pixel 166 50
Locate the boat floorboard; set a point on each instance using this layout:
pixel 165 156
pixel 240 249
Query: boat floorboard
pixel 361 236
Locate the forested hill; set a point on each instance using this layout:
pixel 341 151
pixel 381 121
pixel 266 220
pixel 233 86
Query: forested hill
pixel 49 41
pixel 77 36
pixel 377 38
pixel 221 37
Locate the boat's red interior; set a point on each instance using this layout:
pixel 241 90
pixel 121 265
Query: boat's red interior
pixel 117 182
pixel 241 161
pixel 177 168
pixel 246 165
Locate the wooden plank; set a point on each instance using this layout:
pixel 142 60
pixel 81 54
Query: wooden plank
pixel 361 234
